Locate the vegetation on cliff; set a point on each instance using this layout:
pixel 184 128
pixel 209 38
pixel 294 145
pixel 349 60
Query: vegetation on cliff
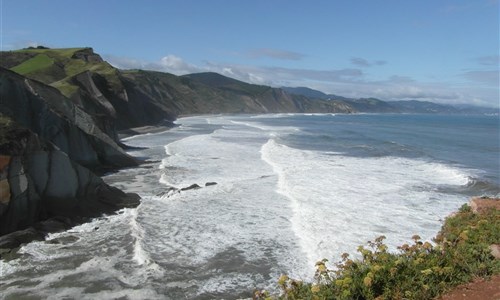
pixel 421 270
pixel 56 67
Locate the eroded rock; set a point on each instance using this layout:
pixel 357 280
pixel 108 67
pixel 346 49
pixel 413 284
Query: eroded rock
pixel 44 182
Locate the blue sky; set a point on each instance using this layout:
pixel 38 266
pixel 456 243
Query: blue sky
pixel 437 50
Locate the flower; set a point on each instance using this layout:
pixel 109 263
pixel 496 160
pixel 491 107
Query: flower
pixel 426 272
pixel 427 246
pixel 321 268
pixel 282 280
pixel 367 281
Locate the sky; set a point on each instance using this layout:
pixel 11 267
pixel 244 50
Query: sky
pixel 431 50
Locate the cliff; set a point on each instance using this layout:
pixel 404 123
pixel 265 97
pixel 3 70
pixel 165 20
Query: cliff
pixel 38 181
pixel 45 111
pixel 50 145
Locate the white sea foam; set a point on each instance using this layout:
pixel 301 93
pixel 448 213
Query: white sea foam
pixel 273 116
pixel 270 129
pixel 140 256
pixel 215 161
pixel 319 114
pixel 99 253
pixel 340 202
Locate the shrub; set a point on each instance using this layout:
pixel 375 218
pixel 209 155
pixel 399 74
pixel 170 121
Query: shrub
pixel 420 270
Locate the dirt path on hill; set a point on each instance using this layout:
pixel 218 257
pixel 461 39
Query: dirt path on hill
pixel 477 290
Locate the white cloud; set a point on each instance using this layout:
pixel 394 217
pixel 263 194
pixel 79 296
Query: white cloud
pixel 176 65
pixel 172 62
pixel 227 71
pixel 169 63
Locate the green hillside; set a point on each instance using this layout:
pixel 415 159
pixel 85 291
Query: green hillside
pixel 36 63
pixel 226 83
pixel 56 67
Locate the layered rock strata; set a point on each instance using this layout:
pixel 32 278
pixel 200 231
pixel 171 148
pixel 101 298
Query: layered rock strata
pixel 38 181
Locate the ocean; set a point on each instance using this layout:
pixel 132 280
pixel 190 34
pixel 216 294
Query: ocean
pixel 275 193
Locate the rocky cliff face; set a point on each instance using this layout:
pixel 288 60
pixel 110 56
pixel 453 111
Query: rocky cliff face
pixel 39 181
pixel 46 112
pixel 87 55
pixel 46 143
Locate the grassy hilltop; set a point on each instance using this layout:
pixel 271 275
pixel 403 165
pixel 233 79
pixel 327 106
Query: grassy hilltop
pixel 56 67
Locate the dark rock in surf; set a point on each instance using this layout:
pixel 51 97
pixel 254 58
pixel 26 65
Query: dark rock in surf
pixel 191 187
pixel 17 238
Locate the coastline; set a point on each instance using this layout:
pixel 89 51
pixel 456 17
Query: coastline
pixel 136 231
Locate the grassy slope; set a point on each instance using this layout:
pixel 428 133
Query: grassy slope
pixel 229 84
pixel 39 62
pixel 56 67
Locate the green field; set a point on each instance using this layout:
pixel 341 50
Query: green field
pixel 39 62
pixel 56 67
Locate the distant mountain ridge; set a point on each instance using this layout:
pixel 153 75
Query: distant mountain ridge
pixel 374 105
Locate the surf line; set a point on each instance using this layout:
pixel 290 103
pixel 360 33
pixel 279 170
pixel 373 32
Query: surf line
pixel 266 151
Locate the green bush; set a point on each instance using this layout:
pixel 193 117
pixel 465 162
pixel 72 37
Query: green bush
pixel 420 270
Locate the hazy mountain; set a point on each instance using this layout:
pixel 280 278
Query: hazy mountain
pixel 374 105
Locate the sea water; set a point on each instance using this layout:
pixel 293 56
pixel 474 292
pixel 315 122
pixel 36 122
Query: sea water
pixel 285 190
